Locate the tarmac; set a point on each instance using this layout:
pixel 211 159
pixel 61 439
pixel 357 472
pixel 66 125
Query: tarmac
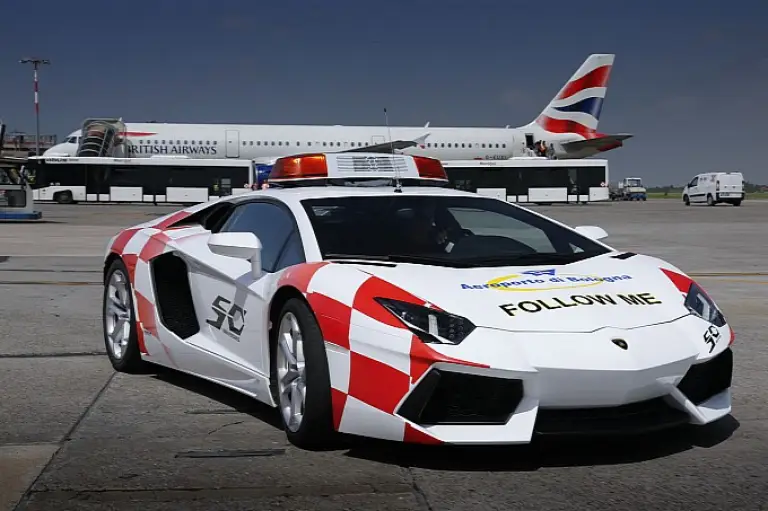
pixel 76 435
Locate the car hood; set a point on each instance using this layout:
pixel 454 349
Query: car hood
pixel 583 296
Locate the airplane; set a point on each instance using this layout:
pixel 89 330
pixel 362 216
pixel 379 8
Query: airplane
pixel 567 126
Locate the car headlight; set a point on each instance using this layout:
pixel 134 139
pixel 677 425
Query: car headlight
pixel 702 305
pixel 432 326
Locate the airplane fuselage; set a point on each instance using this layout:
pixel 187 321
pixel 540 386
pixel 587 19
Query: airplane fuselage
pixel 144 140
pixel 567 125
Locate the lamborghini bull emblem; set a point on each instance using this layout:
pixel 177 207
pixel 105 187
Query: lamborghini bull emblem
pixel 621 343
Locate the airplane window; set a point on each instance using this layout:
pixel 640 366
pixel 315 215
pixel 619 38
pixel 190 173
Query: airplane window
pixel 324 144
pixel 215 142
pixel 503 145
pixel 186 143
pixel 279 143
pixel 273 142
pixel 298 143
pixel 250 143
pixel 193 142
pixel 244 143
pixel 309 143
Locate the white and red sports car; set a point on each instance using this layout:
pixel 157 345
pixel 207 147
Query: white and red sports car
pixel 361 294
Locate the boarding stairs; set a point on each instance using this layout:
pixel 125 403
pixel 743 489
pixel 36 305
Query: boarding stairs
pixel 100 137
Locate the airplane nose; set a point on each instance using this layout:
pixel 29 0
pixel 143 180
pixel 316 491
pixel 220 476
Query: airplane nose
pixel 60 150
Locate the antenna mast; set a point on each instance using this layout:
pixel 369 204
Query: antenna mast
pixel 398 185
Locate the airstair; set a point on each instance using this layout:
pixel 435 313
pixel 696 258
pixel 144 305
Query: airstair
pixel 100 137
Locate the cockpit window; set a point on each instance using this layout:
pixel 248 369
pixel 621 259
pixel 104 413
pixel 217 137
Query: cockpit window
pixel 72 140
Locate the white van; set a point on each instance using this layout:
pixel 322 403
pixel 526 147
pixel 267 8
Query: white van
pixel 715 187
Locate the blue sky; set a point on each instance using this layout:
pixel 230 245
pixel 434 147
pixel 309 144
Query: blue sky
pixel 690 77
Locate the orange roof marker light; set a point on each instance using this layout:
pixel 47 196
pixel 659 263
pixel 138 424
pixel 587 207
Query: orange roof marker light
pixel 303 166
pixel 322 169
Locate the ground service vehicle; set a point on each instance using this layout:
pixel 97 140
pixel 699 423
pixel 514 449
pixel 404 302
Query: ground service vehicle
pixel 361 294
pixel 532 180
pixel 713 188
pixel 156 180
pixel 629 188
pixel 16 196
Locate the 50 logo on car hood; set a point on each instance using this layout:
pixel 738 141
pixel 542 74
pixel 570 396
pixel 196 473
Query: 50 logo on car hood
pixel 543 280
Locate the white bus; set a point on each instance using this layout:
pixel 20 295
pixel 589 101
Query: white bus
pixel 533 180
pixel 155 180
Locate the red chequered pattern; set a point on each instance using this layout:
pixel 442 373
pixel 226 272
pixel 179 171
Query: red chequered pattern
pixel 681 282
pixel 154 246
pixel 338 400
pixel 140 338
pixel 372 382
pixel 130 261
pixel 375 383
pixel 122 239
pixel 146 316
pixel 422 358
pixel 333 317
pixel 413 435
pixel 168 221
pixel 300 275
pixel 376 287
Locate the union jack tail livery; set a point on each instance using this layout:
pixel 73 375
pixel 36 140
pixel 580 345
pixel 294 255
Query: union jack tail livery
pixel 576 108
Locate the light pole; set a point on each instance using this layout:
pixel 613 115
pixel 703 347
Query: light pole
pixel 36 64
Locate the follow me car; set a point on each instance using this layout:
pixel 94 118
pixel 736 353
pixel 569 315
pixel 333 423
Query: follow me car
pixel 361 294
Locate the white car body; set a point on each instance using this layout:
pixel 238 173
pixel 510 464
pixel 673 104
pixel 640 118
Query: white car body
pixel 712 188
pixel 603 343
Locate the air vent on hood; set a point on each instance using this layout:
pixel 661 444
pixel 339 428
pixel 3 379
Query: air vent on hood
pixel 625 255
pixel 359 261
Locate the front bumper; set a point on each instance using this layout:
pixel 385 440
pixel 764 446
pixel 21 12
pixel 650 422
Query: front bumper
pixel 488 409
pixel 501 387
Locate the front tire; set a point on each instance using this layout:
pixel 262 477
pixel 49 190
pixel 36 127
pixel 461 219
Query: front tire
pixel 121 337
pixel 686 200
pixel 302 377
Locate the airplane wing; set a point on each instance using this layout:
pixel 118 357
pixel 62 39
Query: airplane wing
pixel 601 142
pixel 387 147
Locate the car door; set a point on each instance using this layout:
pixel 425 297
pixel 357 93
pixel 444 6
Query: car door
pixel 693 193
pixel 234 314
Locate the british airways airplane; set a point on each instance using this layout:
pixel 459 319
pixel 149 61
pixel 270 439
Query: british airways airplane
pixel 567 128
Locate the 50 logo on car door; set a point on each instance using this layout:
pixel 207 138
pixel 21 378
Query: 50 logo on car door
pixel 230 317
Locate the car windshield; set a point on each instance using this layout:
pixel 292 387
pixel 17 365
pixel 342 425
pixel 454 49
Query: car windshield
pixel 634 182
pixel 442 230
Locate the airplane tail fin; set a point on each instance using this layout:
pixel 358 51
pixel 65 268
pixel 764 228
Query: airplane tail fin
pixel 576 107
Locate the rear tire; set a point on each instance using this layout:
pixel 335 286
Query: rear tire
pixel 737 202
pixel 64 197
pixel 300 370
pixel 120 330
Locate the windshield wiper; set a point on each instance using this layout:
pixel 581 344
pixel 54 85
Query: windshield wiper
pixel 533 258
pixel 416 259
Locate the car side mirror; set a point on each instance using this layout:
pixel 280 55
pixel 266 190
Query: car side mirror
pixel 240 245
pixel 592 231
